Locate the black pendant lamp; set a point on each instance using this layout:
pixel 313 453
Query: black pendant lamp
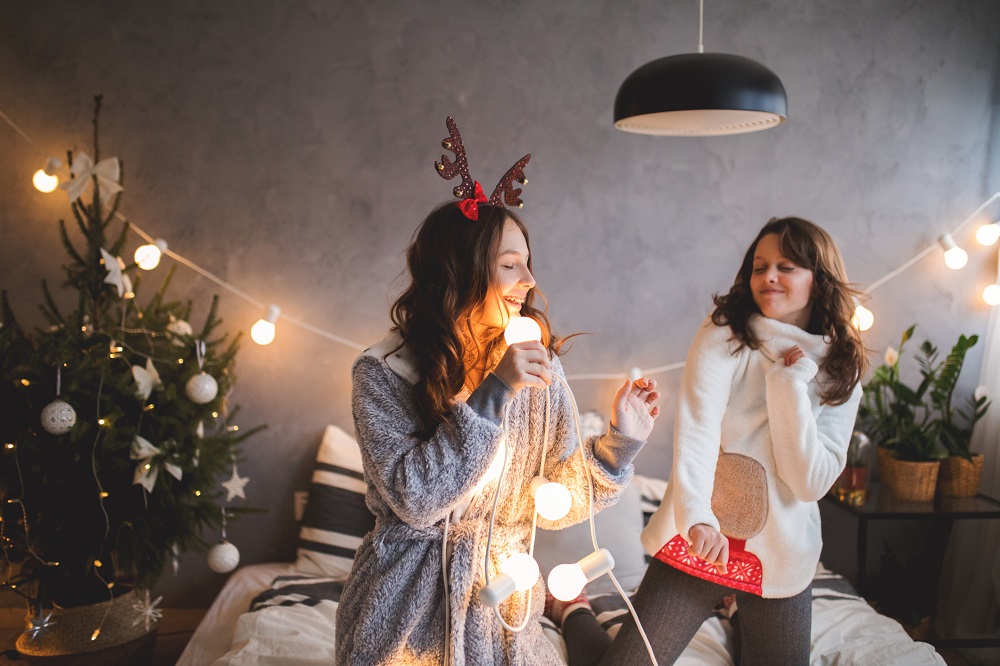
pixel 700 94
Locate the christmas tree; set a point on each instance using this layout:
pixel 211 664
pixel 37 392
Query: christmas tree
pixel 117 428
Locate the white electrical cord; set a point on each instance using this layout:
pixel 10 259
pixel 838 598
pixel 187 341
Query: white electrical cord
pixel 534 518
pixel 593 531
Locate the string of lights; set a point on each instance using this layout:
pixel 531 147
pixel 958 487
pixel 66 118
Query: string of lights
pixel 263 331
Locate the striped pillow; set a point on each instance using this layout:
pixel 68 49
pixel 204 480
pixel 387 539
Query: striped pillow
pixel 336 517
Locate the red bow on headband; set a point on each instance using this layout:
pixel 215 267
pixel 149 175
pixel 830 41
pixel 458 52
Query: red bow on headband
pixel 470 205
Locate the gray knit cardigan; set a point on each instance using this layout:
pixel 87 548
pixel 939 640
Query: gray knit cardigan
pixel 392 606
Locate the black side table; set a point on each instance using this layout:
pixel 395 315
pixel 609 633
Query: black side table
pixel 882 505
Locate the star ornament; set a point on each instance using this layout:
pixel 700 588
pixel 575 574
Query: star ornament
pixel 37 626
pixel 234 486
pixel 146 379
pixel 147 612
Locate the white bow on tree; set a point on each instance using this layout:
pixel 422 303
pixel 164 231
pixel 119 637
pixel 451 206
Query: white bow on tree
pixel 84 170
pixel 148 468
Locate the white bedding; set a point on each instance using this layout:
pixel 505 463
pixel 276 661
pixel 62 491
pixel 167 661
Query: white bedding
pixel 846 631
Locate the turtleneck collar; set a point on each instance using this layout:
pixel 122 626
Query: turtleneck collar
pixel 777 337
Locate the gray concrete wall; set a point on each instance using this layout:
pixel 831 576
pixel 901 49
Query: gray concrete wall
pixel 288 147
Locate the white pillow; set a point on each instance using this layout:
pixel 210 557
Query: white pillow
pixel 336 517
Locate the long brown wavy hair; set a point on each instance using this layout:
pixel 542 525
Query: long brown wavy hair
pixel 452 264
pixel 812 248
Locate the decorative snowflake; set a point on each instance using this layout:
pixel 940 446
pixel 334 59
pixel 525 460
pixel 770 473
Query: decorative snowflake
pixel 39 625
pixel 147 611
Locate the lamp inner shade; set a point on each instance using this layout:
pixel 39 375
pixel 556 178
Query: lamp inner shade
pixel 700 94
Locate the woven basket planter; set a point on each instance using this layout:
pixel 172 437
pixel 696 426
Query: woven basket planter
pixel 67 642
pixel 959 477
pixel 884 460
pixel 913 481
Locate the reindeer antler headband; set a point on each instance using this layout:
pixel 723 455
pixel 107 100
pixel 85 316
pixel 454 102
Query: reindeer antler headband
pixel 470 191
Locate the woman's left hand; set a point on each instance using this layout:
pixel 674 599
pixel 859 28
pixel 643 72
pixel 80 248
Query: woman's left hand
pixel 793 355
pixel 634 412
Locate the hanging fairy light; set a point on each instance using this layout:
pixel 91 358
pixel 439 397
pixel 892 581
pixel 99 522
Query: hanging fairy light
pixel 566 581
pixel 263 331
pixel 147 257
pixel 45 179
pixel 992 294
pixel 552 500
pixel 988 234
pixel 522 329
pixel 517 574
pixel 863 318
pixel 955 257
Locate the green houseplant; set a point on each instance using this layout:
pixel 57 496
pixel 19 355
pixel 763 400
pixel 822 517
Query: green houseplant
pixel 921 424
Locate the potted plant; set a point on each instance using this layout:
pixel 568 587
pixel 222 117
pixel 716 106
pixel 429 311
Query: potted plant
pixel 960 471
pixel 917 428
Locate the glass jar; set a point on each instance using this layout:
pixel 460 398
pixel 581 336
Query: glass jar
pixel 852 484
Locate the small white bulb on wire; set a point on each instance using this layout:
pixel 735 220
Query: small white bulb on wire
pixel 518 573
pixel 954 256
pixel 147 257
pixel 552 500
pixel 992 294
pixel 566 581
pixel 863 318
pixel 988 234
pixel 45 179
pixel 263 331
pixel 522 329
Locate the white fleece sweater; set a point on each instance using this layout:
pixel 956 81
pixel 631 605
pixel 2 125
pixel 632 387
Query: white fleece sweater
pixel 752 405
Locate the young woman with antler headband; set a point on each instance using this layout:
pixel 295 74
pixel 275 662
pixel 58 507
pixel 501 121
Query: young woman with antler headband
pixel 453 426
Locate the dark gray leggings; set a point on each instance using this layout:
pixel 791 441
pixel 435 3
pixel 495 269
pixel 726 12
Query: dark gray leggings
pixel 672 606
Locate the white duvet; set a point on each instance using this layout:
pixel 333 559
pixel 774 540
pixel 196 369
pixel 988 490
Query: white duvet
pixel 846 632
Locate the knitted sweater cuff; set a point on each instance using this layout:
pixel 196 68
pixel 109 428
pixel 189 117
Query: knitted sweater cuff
pixel 617 451
pixel 490 397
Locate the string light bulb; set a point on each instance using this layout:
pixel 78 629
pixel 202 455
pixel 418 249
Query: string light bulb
pixel 552 500
pixel 517 574
pixel 147 257
pixel 863 318
pixel 522 329
pixel 992 294
pixel 988 234
pixel 45 179
pixel 566 581
pixel 263 331
pixel 955 257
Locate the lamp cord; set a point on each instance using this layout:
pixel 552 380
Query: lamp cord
pixel 701 26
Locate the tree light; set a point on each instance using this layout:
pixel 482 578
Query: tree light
pixel 988 234
pixel 552 500
pixel 45 179
pixel 863 318
pixel 566 581
pixel 147 257
pixel 992 294
pixel 518 573
pixel 263 331
pixel 522 329
pixel 954 256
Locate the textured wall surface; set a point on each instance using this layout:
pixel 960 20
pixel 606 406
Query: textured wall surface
pixel 288 148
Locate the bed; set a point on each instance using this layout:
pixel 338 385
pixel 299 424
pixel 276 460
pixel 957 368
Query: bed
pixel 284 613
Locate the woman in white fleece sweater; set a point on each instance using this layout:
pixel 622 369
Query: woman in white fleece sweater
pixel 766 408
